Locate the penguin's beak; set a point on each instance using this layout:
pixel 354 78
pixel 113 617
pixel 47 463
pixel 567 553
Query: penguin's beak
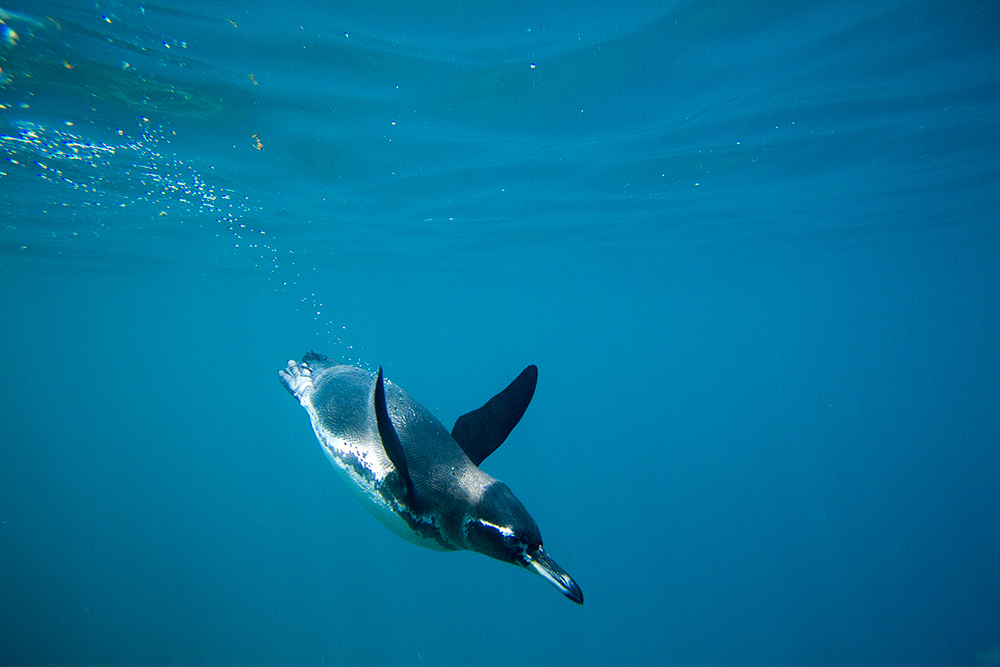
pixel 540 562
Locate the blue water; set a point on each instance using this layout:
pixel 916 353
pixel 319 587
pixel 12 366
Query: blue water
pixel 752 247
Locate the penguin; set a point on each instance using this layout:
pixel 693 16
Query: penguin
pixel 418 479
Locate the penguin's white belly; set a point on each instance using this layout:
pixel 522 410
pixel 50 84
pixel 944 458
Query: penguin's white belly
pixel 364 470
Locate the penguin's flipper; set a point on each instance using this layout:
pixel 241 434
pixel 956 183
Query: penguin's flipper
pixel 481 431
pixel 390 440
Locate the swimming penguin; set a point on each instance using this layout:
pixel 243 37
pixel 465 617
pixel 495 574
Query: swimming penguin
pixel 422 482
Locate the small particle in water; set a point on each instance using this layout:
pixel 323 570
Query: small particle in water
pixel 66 64
pixel 235 24
pixel 532 65
pixel 258 145
pixel 8 35
pixel 253 79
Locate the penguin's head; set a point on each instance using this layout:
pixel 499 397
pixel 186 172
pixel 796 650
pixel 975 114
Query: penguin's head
pixel 501 528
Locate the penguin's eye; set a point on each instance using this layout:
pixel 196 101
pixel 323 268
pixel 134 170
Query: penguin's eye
pixel 496 540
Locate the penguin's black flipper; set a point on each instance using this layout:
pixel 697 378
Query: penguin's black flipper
pixel 481 431
pixel 390 440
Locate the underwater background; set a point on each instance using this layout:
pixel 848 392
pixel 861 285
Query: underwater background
pixel 753 248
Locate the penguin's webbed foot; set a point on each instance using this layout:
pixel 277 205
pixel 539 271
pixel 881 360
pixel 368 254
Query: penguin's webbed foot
pixel 297 378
